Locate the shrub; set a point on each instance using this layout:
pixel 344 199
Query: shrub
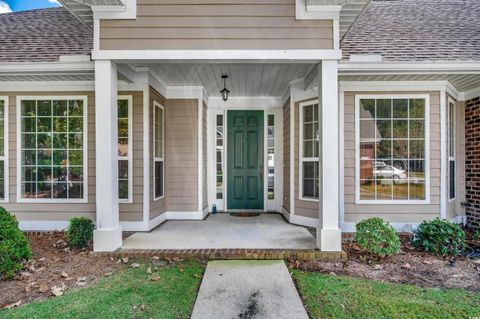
pixel 440 237
pixel 80 232
pixel 14 248
pixel 377 237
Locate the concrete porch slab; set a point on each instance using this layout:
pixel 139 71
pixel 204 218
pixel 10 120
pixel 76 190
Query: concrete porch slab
pixel 222 231
pixel 248 289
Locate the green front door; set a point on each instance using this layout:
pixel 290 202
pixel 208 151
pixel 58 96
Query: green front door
pixel 245 160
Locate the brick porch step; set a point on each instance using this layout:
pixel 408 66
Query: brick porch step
pixel 230 254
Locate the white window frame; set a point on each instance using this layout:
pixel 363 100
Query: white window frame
pixel 5 156
pixel 128 158
pixel 158 159
pixel 454 139
pixel 301 159
pixel 359 201
pixel 85 150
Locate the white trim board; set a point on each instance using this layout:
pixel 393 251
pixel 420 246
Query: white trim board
pixel 6 154
pixel 218 56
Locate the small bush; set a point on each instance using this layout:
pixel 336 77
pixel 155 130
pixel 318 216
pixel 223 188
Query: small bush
pixel 14 248
pixel 440 237
pixel 377 237
pixel 80 232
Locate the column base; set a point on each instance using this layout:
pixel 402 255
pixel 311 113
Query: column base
pixel 107 239
pixel 329 239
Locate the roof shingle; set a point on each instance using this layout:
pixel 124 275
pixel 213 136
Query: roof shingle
pixel 417 30
pixel 42 36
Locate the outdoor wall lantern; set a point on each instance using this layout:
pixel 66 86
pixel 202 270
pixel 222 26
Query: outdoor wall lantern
pixel 225 92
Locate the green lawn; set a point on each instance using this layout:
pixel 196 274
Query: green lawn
pixel 344 297
pixel 171 296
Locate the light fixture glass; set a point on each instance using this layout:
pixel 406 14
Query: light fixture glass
pixel 225 92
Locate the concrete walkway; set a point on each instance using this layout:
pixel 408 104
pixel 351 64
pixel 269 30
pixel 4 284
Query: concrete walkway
pixel 222 231
pixel 248 290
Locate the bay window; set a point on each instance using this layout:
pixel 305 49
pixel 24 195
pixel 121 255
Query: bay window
pixel 391 148
pixel 52 148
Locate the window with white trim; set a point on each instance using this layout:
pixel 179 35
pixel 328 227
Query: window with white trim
pixel 271 155
pixel 391 149
pixel 309 144
pixel 52 150
pixel 219 153
pixel 124 148
pixel 3 142
pixel 158 149
pixel 451 150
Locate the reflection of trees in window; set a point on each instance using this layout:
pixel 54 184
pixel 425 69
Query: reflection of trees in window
pixel 392 149
pixel 52 135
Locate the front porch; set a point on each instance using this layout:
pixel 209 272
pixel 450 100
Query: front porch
pixel 225 231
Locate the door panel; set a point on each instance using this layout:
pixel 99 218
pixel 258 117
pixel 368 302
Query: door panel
pixel 245 160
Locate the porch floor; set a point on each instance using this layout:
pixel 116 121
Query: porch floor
pixel 222 231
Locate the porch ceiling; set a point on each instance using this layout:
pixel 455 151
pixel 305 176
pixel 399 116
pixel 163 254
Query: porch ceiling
pixel 244 79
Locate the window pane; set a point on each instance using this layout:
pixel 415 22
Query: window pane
pixel 271 157
pixel 310 179
pixel 392 161
pixel 158 179
pixel 52 149
pixel 451 180
pixel 158 132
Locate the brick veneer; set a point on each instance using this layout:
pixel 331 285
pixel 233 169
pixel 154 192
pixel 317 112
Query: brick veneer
pixel 472 163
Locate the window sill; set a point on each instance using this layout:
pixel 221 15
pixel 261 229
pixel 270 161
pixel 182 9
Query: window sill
pixel 392 202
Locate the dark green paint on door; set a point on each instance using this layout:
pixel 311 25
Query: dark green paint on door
pixel 245 160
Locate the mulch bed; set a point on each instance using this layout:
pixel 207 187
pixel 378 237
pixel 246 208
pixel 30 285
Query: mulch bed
pixel 408 267
pixel 53 269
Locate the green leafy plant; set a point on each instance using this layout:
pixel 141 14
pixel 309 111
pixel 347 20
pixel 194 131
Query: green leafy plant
pixel 476 235
pixel 440 237
pixel 80 232
pixel 14 248
pixel 377 237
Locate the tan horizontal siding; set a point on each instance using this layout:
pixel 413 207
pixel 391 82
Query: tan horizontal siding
pixel 399 213
pixel 181 155
pixel 66 211
pixel 188 25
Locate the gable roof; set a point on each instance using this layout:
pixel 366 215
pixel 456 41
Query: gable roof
pixel 42 35
pixel 417 30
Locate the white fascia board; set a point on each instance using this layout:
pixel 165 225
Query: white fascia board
pixel 61 66
pixel 304 11
pixel 51 86
pixel 127 11
pixel 224 56
pixel 356 68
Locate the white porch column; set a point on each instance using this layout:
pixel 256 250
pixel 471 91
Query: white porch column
pixel 329 236
pixel 108 233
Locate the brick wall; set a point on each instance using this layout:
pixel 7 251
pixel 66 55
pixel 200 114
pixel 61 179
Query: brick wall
pixel 472 164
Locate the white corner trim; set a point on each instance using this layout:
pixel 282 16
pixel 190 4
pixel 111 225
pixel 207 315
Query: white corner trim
pixel 304 221
pixel 127 11
pixel 443 155
pixel 341 151
pixel 237 56
pixel 292 150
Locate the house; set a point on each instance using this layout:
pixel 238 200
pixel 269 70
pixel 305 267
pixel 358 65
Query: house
pixel 337 110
